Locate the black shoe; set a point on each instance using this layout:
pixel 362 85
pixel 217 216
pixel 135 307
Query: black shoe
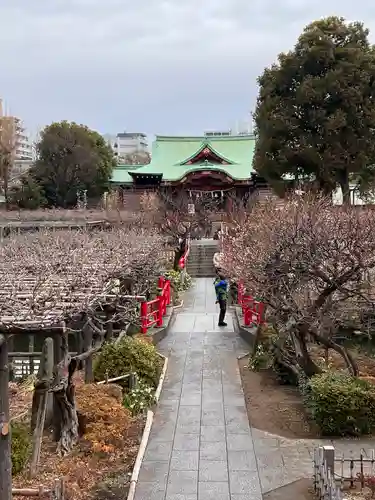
pixel 223 324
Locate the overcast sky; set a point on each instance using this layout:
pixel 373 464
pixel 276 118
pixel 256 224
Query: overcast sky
pixel 156 66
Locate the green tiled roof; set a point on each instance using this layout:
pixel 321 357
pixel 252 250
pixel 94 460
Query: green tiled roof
pixel 170 154
pixel 120 174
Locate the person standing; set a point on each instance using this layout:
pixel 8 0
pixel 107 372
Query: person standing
pixel 221 289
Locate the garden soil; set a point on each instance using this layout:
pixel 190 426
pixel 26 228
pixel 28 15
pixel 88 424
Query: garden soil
pixel 278 409
pixel 103 459
pixel 272 407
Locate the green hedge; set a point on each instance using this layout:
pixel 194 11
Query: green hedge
pixel 178 284
pixel 131 354
pixel 340 404
pixel 21 446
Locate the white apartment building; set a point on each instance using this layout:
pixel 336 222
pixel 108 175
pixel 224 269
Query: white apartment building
pixel 24 150
pixel 127 143
pixel 14 136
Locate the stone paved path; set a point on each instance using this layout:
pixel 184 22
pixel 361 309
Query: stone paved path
pixel 201 446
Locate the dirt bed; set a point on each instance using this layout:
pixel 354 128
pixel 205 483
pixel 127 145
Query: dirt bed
pixel 366 363
pixel 100 464
pixel 272 407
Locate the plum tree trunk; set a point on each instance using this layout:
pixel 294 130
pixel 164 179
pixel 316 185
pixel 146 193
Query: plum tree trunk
pixel 67 417
pixel 65 411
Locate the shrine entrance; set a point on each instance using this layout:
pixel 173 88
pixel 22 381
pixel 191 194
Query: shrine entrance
pixel 210 189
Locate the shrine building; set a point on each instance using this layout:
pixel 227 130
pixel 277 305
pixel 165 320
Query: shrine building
pixel 217 166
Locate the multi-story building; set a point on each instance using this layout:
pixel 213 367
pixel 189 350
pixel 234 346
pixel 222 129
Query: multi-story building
pixel 14 142
pixel 128 143
pixel 24 150
pixel 14 136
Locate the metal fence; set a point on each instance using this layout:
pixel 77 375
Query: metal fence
pixel 324 476
pixel 336 474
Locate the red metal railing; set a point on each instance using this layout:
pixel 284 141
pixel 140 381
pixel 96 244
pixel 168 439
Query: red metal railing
pixel 183 260
pixel 153 312
pixel 252 310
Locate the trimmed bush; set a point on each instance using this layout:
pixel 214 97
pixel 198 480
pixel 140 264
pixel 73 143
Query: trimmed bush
pixel 131 354
pixel 340 404
pixel 178 284
pixel 21 446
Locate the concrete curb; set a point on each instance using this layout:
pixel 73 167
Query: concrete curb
pixel 162 377
pixel 146 434
pixel 246 333
pixel 140 455
pixel 179 306
pixel 158 334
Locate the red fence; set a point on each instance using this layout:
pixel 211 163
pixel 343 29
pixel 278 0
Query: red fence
pixel 153 312
pixel 252 310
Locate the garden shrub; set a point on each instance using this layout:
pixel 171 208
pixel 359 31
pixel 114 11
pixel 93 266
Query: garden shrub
pixel 139 400
pixel 265 356
pixel 179 282
pixel 131 354
pixel 340 404
pixel 21 446
pixel 261 359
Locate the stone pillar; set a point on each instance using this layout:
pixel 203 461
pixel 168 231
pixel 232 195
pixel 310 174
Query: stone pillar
pixel 329 458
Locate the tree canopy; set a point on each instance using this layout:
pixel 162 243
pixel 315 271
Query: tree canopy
pixel 72 158
pixel 315 114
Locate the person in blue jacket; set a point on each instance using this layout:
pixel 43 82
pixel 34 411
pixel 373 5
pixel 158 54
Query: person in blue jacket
pixel 221 289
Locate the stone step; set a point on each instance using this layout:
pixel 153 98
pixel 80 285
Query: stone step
pixel 206 265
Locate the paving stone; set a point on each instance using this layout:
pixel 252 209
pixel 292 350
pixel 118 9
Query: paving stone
pixel 193 428
pixel 239 442
pixel 191 399
pixel 213 491
pixel 233 400
pixel 213 433
pixel 184 460
pixel 211 374
pixel 189 414
pixel 187 442
pixel 149 491
pixel 171 394
pixel 213 471
pixel 242 460
pixel 238 428
pixel 182 482
pixel 243 482
pixel 213 417
pixel 212 405
pixel 213 451
pixel 154 472
pixel 158 451
pixel 272 458
pixel 236 421
pixel 181 497
pixel 162 433
pixel 254 496
pixel 170 406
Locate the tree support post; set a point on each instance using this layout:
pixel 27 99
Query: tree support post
pixel 5 437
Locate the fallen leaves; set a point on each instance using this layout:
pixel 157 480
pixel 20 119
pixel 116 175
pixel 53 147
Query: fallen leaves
pixel 108 447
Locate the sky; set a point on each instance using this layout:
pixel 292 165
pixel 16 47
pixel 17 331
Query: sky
pixel 152 66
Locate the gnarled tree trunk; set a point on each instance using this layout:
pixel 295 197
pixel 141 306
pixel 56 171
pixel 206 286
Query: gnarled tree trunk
pixel 65 411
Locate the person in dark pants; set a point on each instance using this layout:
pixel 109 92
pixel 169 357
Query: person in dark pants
pixel 221 289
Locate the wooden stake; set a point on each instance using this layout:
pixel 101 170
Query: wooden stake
pixel 5 437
